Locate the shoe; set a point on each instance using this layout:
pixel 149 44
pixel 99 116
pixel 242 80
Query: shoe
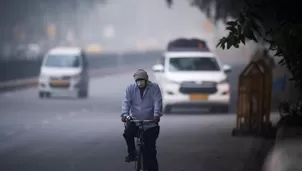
pixel 130 158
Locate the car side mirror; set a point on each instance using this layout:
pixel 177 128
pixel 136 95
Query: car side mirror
pixel 158 68
pixel 227 68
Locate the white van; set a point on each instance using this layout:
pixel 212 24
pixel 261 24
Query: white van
pixel 193 78
pixel 64 71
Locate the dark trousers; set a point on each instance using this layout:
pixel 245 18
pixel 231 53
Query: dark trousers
pixel 150 137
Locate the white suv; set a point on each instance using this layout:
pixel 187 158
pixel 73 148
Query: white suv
pixel 193 78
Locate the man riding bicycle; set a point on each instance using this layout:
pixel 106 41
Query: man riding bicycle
pixel 144 100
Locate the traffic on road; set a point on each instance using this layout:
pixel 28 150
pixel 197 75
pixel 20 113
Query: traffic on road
pixel 74 75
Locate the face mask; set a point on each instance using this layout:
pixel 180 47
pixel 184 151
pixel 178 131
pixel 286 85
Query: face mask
pixel 141 83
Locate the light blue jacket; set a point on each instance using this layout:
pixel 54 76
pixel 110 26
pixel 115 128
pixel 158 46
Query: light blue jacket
pixel 144 108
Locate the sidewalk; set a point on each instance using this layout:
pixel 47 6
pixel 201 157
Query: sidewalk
pixel 259 150
pixel 286 155
pixel 287 151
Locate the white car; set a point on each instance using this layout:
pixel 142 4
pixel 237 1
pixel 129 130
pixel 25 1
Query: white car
pixel 64 71
pixel 193 78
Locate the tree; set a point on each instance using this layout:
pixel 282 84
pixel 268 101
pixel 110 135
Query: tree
pixel 277 23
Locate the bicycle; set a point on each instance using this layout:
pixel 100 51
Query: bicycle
pixel 139 162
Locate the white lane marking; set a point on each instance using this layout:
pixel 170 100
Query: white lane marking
pixel 59 118
pixel 45 122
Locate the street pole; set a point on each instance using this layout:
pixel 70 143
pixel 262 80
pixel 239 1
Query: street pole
pixel 77 18
pixel 213 14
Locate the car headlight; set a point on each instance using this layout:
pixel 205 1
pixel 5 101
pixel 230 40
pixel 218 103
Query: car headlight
pixel 43 77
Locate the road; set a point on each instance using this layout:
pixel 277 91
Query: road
pixel 68 134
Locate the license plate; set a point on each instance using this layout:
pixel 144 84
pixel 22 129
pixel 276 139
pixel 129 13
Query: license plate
pixel 198 96
pixel 59 82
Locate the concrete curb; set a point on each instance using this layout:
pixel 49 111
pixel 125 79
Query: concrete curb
pixel 257 153
pixel 285 155
pixel 259 150
pixel 16 84
pixel 286 151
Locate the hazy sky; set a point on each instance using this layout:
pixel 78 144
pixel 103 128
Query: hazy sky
pixel 135 20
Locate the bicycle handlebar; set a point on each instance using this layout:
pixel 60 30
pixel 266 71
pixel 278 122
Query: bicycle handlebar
pixel 132 119
pixel 145 121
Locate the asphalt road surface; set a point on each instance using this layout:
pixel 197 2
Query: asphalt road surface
pixel 68 134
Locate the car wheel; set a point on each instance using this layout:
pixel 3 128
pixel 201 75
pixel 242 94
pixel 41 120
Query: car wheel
pixel 41 95
pixel 83 94
pixel 214 110
pixel 225 109
pixel 167 109
pixel 44 95
pixel 47 94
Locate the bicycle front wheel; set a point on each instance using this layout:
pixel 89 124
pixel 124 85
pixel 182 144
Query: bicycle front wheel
pixel 139 163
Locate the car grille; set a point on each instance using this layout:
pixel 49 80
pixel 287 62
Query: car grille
pixel 60 77
pixel 206 87
pixel 64 78
pixel 59 86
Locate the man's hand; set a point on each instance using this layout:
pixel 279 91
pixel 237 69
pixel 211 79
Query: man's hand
pixel 124 118
pixel 156 118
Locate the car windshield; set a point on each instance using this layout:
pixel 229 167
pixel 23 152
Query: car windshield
pixel 193 64
pixel 62 61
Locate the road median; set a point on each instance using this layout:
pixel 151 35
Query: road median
pixel 94 72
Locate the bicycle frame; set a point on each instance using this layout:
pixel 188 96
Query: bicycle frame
pixel 139 164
